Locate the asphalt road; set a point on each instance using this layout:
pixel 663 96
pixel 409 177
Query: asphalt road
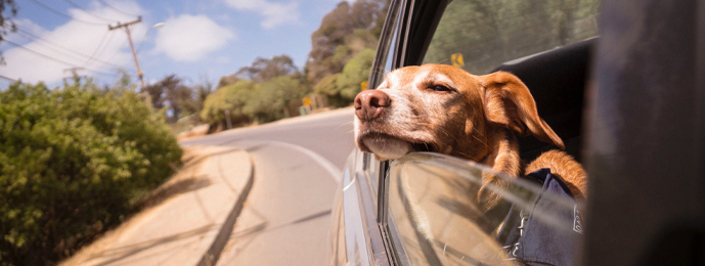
pixel 298 165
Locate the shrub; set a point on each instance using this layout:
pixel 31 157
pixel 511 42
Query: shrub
pixel 72 163
pixel 328 87
pixel 232 97
pixel 341 88
pixel 354 73
pixel 269 99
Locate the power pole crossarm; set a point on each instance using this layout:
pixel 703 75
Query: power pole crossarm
pixel 120 25
pixel 132 46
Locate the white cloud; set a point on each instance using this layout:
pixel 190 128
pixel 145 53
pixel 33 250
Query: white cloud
pixel 189 38
pixel 71 45
pixel 274 13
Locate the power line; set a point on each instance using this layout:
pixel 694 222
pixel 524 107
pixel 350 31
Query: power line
pixel 99 49
pixel 64 15
pixel 118 51
pixel 144 39
pixel 88 12
pixel 6 78
pixel 55 59
pixel 74 57
pixel 118 10
pixel 38 39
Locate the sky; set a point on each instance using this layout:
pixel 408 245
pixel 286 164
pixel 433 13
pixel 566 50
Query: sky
pixel 198 40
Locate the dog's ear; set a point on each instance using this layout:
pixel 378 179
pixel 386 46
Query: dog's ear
pixel 508 102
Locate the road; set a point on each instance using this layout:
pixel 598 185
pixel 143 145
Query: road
pixel 287 214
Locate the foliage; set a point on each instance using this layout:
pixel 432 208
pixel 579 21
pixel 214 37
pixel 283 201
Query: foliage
pixel 342 88
pixel 263 92
pixel 328 87
pixel 8 9
pixel 343 49
pixel 344 32
pixel 263 69
pixel 165 94
pixel 356 71
pixel 481 31
pixel 227 80
pixel 72 162
pixel 194 103
pixel 176 99
pixel 269 99
pixel 231 97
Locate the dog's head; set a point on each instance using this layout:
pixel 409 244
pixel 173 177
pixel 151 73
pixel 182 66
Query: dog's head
pixel 444 109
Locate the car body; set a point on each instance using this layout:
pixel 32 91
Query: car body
pixel 417 210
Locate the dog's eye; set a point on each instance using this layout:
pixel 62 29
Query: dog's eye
pixel 440 88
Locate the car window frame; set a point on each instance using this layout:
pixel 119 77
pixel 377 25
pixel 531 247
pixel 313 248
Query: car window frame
pixel 391 39
pixel 405 53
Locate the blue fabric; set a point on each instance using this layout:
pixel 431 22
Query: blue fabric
pixel 535 240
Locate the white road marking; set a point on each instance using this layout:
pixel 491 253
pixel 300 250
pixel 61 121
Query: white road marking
pixel 336 173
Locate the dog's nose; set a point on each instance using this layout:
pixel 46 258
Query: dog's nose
pixel 369 104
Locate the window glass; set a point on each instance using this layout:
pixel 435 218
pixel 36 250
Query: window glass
pixel 384 65
pixel 373 172
pixel 480 35
pixel 433 203
pixel 386 50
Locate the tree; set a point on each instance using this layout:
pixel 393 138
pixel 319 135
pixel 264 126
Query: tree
pixel 328 87
pixel 263 92
pixel 344 32
pixel 269 99
pixel 232 98
pixel 167 94
pixel 73 162
pixel 227 80
pixel 341 88
pixel 263 69
pixel 479 30
pixel 195 103
pixel 356 71
pixel 8 9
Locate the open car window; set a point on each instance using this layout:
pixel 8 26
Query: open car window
pixel 438 221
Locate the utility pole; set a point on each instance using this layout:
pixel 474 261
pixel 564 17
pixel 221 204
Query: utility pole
pixel 129 38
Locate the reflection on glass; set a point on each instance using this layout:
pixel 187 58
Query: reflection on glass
pixel 487 33
pixel 433 205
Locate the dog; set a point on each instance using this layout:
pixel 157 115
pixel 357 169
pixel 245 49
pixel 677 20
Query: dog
pixel 444 109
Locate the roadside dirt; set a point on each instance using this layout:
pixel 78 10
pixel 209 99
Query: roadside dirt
pixel 184 180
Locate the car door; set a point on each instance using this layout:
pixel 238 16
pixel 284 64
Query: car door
pixel 374 225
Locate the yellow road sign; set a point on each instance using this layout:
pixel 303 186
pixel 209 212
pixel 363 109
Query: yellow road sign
pixel 307 101
pixel 363 85
pixel 457 60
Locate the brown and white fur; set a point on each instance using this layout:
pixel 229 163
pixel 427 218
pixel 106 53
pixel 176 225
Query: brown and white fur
pixel 445 109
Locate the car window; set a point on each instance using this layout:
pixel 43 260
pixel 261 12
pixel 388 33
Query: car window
pixel 434 208
pixel 384 64
pixel 388 42
pixel 480 35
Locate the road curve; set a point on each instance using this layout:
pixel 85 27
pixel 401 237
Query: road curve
pixel 297 164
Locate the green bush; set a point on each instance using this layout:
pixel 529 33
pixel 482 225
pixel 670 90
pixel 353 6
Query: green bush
pixel 269 99
pixel 328 87
pixel 342 88
pixel 72 163
pixel 231 97
pixel 248 101
pixel 354 73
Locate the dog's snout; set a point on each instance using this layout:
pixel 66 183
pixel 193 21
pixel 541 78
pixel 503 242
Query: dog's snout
pixel 369 104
